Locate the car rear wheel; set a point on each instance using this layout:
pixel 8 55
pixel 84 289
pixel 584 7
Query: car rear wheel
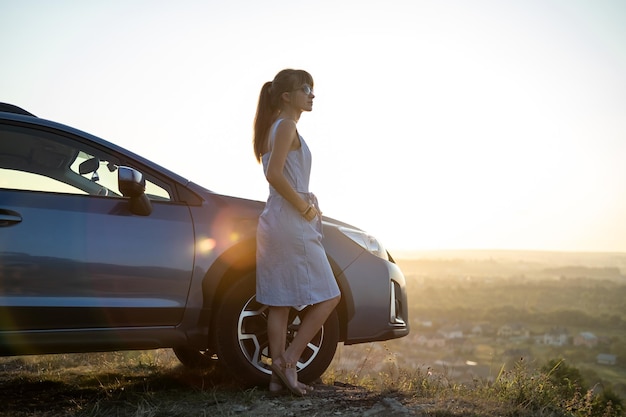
pixel 242 343
pixel 195 359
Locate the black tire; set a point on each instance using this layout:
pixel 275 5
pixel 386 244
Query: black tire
pixel 242 343
pixel 195 359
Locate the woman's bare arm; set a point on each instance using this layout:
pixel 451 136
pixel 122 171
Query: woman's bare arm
pixel 285 140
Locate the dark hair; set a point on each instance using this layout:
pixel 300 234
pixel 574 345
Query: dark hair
pixel 269 103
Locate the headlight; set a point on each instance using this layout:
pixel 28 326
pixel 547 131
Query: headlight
pixel 366 241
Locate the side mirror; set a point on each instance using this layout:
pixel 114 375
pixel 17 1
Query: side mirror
pixel 132 184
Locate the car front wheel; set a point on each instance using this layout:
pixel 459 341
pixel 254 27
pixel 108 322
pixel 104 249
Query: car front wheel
pixel 242 343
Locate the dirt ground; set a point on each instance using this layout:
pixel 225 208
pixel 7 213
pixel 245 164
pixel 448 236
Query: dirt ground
pixel 329 400
pixel 102 385
pixel 50 399
pixel 114 384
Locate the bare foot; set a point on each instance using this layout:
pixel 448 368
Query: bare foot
pixel 276 385
pixel 287 373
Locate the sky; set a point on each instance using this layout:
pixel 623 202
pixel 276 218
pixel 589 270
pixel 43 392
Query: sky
pixel 437 124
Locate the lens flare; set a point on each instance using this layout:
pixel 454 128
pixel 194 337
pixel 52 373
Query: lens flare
pixel 206 245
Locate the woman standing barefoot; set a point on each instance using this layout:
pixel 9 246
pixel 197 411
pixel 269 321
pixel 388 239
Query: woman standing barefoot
pixel 292 268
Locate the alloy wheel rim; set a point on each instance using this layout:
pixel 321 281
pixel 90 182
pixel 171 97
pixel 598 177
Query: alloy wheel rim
pixel 253 341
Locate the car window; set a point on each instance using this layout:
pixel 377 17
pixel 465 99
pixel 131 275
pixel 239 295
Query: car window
pixel 36 160
pixel 96 170
pixel 20 180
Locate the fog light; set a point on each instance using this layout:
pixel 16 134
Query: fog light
pixel 395 316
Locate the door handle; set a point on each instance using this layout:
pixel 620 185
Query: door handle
pixel 9 218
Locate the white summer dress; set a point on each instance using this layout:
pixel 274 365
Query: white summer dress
pixel 292 268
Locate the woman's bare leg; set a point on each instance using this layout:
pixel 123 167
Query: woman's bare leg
pixel 312 323
pixel 277 322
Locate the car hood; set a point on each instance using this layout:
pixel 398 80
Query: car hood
pixel 250 208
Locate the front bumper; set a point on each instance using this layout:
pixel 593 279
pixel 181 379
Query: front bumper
pixel 377 294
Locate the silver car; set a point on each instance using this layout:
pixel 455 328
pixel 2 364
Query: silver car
pixel 101 249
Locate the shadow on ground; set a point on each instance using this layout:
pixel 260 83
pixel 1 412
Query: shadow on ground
pixel 36 389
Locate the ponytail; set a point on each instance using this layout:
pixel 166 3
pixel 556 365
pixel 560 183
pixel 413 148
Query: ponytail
pixel 265 114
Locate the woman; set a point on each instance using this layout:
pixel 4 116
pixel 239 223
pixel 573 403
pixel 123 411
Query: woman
pixel 292 268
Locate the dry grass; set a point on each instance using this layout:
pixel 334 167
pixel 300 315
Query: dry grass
pixel 152 383
pixel 555 390
pixel 144 383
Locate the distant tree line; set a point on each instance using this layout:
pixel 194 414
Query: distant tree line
pixel 570 303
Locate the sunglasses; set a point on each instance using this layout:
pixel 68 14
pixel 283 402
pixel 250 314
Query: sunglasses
pixel 306 89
